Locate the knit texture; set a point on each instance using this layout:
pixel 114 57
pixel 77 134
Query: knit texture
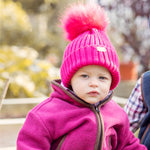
pixel 89 44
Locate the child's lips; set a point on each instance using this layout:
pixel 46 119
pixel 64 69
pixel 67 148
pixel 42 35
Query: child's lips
pixel 93 93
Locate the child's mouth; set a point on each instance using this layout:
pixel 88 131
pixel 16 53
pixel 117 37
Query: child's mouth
pixel 93 93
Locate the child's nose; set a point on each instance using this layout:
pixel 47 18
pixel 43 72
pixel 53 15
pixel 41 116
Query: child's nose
pixel 93 83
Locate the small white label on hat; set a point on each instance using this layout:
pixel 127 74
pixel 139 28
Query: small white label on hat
pixel 101 49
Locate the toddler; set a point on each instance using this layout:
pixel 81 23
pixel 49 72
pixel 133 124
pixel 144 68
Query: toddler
pixel 80 113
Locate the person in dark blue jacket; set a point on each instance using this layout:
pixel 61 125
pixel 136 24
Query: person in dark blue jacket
pixel 138 109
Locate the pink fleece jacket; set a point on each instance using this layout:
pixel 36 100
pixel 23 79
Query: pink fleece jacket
pixel 65 122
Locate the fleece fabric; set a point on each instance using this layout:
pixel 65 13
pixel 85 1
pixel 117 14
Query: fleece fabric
pixel 64 121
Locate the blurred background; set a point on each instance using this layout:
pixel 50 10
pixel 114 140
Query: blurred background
pixel 32 44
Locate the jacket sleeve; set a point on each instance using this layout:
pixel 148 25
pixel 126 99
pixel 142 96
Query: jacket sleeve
pixel 127 138
pixel 34 134
pixel 133 143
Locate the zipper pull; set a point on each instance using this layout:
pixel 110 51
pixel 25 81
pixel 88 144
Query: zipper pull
pixel 97 109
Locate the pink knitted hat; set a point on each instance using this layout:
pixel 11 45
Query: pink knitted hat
pixel 85 27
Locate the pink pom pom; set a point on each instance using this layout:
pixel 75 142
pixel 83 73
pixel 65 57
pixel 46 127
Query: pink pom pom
pixel 80 18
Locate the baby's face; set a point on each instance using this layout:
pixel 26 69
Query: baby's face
pixel 91 83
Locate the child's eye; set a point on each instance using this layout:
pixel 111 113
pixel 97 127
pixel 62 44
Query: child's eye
pixel 84 76
pixel 102 78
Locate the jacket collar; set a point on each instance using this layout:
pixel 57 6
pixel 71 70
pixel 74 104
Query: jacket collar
pixel 71 97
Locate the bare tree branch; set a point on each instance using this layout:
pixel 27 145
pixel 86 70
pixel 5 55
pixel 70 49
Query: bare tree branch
pixel 4 92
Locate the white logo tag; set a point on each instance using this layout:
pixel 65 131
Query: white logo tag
pixel 101 49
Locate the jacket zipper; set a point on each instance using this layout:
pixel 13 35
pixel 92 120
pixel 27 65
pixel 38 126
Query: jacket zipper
pixel 99 142
pixel 110 143
pixel 95 109
pixel 100 126
pixel 61 142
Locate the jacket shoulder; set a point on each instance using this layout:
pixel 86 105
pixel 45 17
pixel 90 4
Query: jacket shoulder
pixel 112 110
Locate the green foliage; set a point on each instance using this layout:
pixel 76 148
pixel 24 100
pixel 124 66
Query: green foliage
pixel 15 26
pixel 32 6
pixel 29 76
pixel 30 30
